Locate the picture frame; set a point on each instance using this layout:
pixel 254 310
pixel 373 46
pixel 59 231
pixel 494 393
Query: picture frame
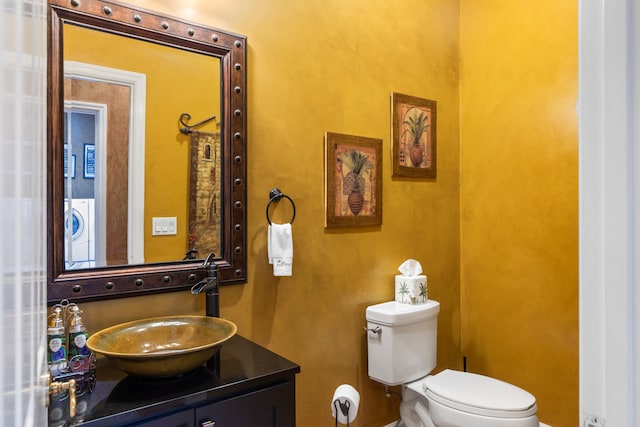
pixel 69 167
pixel 413 136
pixel 353 181
pixel 89 161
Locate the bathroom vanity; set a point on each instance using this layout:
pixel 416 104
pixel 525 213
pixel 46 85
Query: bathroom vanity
pixel 244 384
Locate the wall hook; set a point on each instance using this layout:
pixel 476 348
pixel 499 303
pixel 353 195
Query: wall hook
pixel 187 128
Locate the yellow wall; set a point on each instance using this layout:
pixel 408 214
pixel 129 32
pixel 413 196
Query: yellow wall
pixel 504 76
pixel 519 198
pixel 334 69
pixel 174 85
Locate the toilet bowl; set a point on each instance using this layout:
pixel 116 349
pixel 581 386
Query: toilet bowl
pixel 402 343
pixel 461 399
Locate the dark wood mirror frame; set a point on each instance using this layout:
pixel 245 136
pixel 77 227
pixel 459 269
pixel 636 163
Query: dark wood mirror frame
pixel 133 280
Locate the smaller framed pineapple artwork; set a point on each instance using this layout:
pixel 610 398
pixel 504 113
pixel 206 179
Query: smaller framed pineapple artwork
pixel 413 136
pixel 353 181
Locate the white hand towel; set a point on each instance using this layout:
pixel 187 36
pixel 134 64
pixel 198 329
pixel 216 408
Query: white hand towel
pixel 280 249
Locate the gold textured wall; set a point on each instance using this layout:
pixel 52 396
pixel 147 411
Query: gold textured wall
pixel 318 66
pixel 501 217
pixel 519 198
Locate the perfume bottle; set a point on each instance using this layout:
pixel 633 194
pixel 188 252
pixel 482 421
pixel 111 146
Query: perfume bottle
pixel 56 339
pixel 79 353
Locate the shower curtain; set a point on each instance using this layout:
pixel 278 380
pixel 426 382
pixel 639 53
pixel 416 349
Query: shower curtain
pixel 23 370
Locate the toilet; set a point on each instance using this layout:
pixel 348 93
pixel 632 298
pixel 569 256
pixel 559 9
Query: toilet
pixel 402 348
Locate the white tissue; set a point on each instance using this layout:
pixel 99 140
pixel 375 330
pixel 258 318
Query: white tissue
pixel 345 395
pixel 411 285
pixel 410 267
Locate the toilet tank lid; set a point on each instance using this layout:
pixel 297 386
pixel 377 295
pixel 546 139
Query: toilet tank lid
pixel 393 313
pixel 481 392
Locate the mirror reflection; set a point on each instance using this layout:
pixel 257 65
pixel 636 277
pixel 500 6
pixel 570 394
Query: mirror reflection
pixel 136 189
pixel 129 75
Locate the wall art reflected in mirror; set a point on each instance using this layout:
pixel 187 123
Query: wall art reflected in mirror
pixel 137 200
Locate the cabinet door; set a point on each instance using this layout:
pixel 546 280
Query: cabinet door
pixel 270 407
pixel 179 419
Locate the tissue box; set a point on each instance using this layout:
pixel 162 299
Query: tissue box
pixel 411 289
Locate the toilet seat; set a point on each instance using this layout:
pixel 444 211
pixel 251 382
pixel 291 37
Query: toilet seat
pixel 477 394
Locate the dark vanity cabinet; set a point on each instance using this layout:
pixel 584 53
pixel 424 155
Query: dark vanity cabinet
pixel 180 419
pixel 269 407
pixel 243 385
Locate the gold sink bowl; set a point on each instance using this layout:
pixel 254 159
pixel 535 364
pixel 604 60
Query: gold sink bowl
pixel 162 346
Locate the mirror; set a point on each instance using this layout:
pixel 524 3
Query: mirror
pixel 135 185
pixel 123 110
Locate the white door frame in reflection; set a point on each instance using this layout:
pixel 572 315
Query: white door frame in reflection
pixel 137 85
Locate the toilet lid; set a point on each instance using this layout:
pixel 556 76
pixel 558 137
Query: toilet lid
pixel 479 395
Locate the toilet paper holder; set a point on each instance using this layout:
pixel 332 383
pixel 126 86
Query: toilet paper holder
pixel 344 408
pixel 344 404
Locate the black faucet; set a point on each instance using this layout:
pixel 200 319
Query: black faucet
pixel 210 286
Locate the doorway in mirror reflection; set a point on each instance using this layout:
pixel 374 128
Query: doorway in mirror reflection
pixel 81 186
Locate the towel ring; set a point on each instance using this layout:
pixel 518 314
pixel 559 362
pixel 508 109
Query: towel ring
pixel 275 195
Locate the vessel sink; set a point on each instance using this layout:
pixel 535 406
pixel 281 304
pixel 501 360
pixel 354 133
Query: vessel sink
pixel 162 346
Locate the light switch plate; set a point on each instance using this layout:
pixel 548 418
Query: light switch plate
pixel 164 226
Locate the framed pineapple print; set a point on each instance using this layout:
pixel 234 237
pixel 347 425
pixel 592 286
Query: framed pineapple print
pixel 353 181
pixel 413 136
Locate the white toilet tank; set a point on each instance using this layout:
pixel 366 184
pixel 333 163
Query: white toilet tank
pixel 405 347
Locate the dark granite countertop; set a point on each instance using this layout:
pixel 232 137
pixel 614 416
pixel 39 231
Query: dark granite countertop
pixel 240 366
